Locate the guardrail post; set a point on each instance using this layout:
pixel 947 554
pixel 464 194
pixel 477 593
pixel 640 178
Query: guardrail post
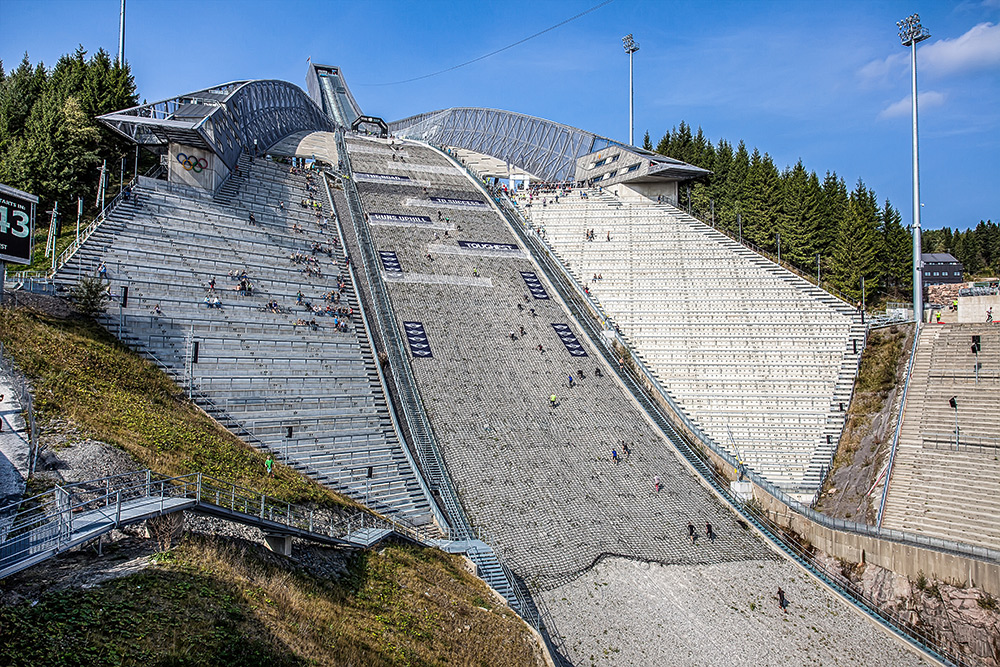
pixel 149 475
pixel 310 521
pixel 262 506
pixel 197 493
pixel 161 496
pixel 118 508
pixel 65 513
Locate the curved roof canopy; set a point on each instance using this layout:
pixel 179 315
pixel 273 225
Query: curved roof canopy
pixel 225 119
pixel 542 147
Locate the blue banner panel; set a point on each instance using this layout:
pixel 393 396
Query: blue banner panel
pixel 448 201
pixel 568 338
pixel 482 245
pixel 419 347
pixel 534 285
pixel 380 178
pixel 398 217
pixel 389 261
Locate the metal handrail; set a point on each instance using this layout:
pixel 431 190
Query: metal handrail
pixel 59 505
pixel 894 621
pixel 71 249
pixel 439 516
pixel 413 410
pixel 899 426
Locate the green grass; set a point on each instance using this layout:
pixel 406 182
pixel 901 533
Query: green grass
pixel 82 374
pixel 213 602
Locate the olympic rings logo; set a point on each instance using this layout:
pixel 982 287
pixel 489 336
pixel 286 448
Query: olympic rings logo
pixel 192 163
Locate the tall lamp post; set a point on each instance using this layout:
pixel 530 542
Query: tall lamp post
pixel 630 48
pixel 910 34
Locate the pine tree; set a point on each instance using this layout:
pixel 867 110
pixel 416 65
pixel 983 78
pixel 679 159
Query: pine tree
pixel 18 95
pixel 646 143
pixel 762 204
pixel 897 256
pixel 856 252
pixel 799 206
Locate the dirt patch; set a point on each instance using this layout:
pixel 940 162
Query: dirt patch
pixel 871 421
pixel 53 306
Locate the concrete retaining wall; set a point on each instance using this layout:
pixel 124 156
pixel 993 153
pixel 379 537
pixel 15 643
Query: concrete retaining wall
pixel 904 559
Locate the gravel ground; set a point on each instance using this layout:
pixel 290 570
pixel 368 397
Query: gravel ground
pixel 722 614
pixel 13 447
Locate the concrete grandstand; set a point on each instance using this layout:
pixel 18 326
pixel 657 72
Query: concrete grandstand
pixel 567 408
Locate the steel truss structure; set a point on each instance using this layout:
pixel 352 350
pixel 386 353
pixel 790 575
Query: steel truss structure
pixel 225 119
pixel 541 147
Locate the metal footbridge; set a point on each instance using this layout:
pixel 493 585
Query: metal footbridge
pixel 35 529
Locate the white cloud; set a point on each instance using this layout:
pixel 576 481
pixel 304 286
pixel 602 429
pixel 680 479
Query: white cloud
pixel 881 71
pixel 926 99
pixel 978 48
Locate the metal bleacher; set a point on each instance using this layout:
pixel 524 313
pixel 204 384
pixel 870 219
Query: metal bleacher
pixel 760 359
pixel 309 393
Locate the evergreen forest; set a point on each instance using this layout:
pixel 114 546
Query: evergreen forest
pixel 50 143
pixel 822 226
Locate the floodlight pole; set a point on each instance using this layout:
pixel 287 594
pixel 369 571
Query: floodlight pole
pixel 121 36
pixel 910 34
pixel 630 48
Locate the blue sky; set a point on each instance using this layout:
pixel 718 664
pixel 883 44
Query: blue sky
pixel 825 82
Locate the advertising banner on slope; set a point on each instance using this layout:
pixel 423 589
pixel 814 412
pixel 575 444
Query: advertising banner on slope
pixel 17 225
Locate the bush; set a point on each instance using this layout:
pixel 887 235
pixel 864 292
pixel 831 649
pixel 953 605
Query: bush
pixel 90 296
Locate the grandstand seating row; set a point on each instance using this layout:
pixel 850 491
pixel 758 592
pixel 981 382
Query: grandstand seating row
pixel 937 488
pixel 305 389
pixel 780 354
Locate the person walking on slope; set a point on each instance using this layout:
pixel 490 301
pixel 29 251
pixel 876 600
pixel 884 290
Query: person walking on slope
pixel 269 464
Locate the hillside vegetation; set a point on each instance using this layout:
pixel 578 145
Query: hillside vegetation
pixel 82 374
pixel 217 602
pixel 212 601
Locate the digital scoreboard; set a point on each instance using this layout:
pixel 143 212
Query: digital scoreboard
pixel 17 225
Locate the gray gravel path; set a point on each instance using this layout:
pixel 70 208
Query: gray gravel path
pixel 624 612
pixel 13 446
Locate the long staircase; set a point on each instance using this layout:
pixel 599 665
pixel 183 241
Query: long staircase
pixel 942 485
pixel 300 383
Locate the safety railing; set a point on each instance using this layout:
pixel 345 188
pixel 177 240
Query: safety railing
pixel 48 521
pixel 961 442
pixel 123 195
pixel 641 382
pixel 899 426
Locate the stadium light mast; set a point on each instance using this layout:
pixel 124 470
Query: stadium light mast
pixel 910 34
pixel 121 36
pixel 630 48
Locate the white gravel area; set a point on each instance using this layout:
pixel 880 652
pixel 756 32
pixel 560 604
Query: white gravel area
pixel 625 612
pixel 13 446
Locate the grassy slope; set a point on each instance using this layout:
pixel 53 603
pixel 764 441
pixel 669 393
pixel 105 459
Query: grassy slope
pixel 211 602
pixel 81 373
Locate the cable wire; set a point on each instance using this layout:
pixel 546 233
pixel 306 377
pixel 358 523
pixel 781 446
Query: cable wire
pixel 493 53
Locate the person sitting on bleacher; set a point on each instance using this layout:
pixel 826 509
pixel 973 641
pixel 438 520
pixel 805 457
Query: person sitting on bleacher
pixel 216 303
